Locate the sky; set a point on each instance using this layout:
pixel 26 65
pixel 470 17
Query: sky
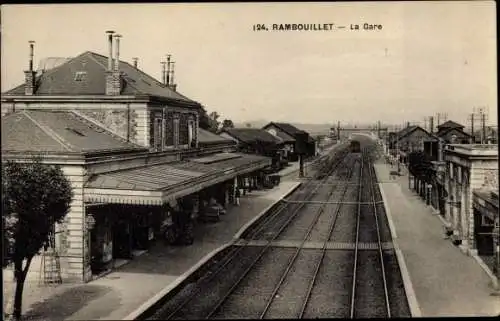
pixel 429 57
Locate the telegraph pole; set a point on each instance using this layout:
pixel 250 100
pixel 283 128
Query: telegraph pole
pixel 483 117
pixel 338 130
pixel 483 123
pixel 472 128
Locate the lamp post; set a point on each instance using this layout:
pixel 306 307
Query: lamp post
pixel 429 193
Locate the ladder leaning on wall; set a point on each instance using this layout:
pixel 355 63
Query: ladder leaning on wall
pixel 50 265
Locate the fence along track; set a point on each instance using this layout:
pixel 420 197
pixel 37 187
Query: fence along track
pixel 237 250
pixel 300 248
pixel 266 247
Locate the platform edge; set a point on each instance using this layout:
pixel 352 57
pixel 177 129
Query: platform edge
pixel 150 302
pixel 408 285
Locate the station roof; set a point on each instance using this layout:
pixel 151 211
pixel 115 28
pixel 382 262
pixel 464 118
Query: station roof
pixel 230 161
pixel 290 130
pixel 62 80
pixel 450 124
pixel 57 132
pixel 410 129
pixel 206 137
pixel 253 135
pixel 161 183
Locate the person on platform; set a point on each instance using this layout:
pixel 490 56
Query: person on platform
pixel 237 195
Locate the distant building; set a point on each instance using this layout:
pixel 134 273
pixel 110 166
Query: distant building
pixel 453 133
pixel 257 141
pixel 289 133
pixel 410 139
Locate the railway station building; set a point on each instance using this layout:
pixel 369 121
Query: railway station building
pixel 130 145
pixel 469 169
pixel 409 139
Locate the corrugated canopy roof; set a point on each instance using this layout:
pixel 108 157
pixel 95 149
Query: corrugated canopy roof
pixel 158 184
pixel 206 137
pixel 149 178
pixel 225 161
pixel 253 135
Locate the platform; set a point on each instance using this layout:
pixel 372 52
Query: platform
pixel 123 291
pixel 292 170
pixel 444 281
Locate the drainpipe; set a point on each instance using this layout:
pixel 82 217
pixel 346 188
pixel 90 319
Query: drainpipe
pixel 128 122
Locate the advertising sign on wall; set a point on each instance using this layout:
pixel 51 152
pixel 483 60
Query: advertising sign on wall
pixel 107 252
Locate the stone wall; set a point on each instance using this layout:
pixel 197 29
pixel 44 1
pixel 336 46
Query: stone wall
pixel 122 122
pixel 127 120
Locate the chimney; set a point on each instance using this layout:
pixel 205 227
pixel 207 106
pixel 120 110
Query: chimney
pixel 113 81
pixel 168 71
pixel 163 79
pixel 431 124
pixel 117 53
pixel 173 86
pixel 29 74
pixel 110 48
pixel 135 59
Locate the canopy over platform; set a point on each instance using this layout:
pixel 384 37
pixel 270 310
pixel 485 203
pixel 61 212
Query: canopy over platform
pixel 159 184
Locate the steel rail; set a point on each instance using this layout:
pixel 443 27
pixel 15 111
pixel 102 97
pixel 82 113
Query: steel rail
pixel 264 250
pixel 356 243
pixel 379 241
pixel 323 252
pixel 329 202
pixel 297 251
pixel 234 253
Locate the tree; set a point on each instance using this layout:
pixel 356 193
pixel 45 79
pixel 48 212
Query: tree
pixel 34 197
pixel 420 166
pixel 204 119
pixel 227 123
pixel 214 121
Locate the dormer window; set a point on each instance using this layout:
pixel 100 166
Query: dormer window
pixel 80 76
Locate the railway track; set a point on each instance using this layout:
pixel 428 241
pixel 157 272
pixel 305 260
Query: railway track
pixel 323 252
pixel 243 255
pixel 369 285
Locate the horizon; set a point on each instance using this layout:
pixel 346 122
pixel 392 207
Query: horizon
pixel 240 73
